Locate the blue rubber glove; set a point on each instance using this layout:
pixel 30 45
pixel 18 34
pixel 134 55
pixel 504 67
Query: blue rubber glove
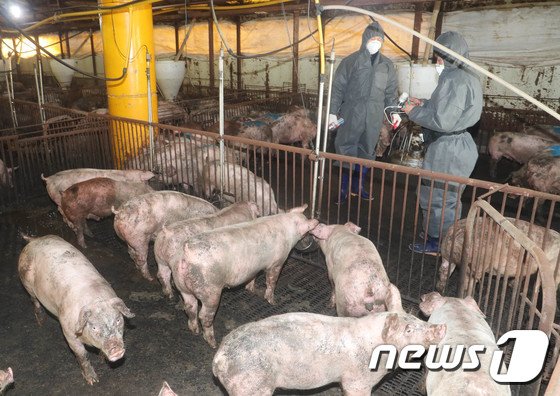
pixel 554 150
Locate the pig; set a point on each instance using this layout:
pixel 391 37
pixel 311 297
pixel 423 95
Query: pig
pixel 180 161
pixel 59 124
pixel 501 255
pixel 60 181
pixel 59 277
pixel 466 325
pixel 170 240
pixel 307 350
pixel 93 199
pixel 518 147
pixel 246 128
pixel 551 132
pixel 241 184
pixel 355 269
pixel 6 173
pixel 540 173
pixel 166 390
pixel 139 220
pixel 294 126
pixel 234 255
pixel 6 378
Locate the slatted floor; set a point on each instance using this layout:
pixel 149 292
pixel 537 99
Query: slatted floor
pixel 159 346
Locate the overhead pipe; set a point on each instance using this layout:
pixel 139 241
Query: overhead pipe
pixel 466 61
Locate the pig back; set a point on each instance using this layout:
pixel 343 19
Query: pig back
pixel 502 253
pixel 60 276
pixel 465 327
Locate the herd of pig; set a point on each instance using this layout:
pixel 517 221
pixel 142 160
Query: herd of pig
pixel 530 148
pixel 202 250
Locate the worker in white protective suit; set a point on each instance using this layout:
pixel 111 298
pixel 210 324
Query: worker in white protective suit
pixel 455 105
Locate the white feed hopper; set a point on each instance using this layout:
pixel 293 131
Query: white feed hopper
pixel 169 77
pixel 419 82
pixel 62 73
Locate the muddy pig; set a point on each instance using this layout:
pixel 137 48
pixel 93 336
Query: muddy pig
pixel 518 147
pixel 60 181
pixel 355 269
pixel 541 173
pixel 6 175
pixel 169 241
pixel 93 199
pixel 240 185
pixel 59 277
pixel 385 136
pixel 307 350
pixel 231 256
pixel 166 390
pixel 6 378
pixel 499 253
pixel 139 220
pixel 465 326
pixel 294 126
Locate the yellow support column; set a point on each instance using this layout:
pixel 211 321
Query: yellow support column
pixel 127 38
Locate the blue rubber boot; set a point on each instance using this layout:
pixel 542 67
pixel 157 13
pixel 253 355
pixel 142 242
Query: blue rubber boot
pixel 356 176
pixel 343 195
pixel 431 246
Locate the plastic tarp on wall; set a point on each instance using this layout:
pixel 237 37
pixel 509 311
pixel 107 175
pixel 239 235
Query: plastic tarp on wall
pixel 525 36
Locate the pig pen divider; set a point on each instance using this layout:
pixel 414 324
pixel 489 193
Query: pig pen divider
pixel 523 301
pixel 183 157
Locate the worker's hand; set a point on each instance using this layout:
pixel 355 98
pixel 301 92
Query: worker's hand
pixel 554 150
pixel 416 101
pixel 408 106
pixel 396 120
pixel 332 118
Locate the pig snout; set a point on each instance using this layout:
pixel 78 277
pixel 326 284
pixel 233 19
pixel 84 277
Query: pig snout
pixel 114 351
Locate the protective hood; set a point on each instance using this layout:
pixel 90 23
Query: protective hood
pixel 373 30
pixel 455 42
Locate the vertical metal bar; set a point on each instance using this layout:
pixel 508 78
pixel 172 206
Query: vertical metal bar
pixel 238 48
pixel 211 51
pixel 61 43
pixel 417 27
pixel 221 121
pixel 150 111
pixel 68 45
pixel 93 60
pixel 295 61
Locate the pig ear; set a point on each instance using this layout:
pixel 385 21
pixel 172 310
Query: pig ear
pixel 298 209
pixel 166 390
pixel 390 327
pixel 321 231
pixel 119 304
pixel 471 303
pixel 393 300
pixel 85 313
pixel 353 227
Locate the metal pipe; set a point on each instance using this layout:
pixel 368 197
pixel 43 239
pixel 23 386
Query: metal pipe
pixel 468 62
pixel 317 141
pixel 180 51
pixel 326 133
pixel 10 89
pixel 150 111
pixel 39 96
pixel 221 120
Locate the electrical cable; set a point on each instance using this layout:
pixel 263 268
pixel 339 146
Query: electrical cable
pixel 44 50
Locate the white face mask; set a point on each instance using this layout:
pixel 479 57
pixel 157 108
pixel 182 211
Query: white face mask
pixel 439 68
pixel 373 47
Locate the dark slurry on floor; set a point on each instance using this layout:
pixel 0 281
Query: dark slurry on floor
pixel 158 344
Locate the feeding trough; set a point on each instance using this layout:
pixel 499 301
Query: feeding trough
pixel 169 77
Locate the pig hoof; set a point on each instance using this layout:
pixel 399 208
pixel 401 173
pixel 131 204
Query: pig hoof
pixel 40 317
pixel 212 342
pixel 91 376
pixel 195 328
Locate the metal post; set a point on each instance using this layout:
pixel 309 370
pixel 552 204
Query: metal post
pixel 211 51
pixel 39 96
pixel 10 89
pixel 326 129
pixel 221 121
pixel 317 141
pixel 150 112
